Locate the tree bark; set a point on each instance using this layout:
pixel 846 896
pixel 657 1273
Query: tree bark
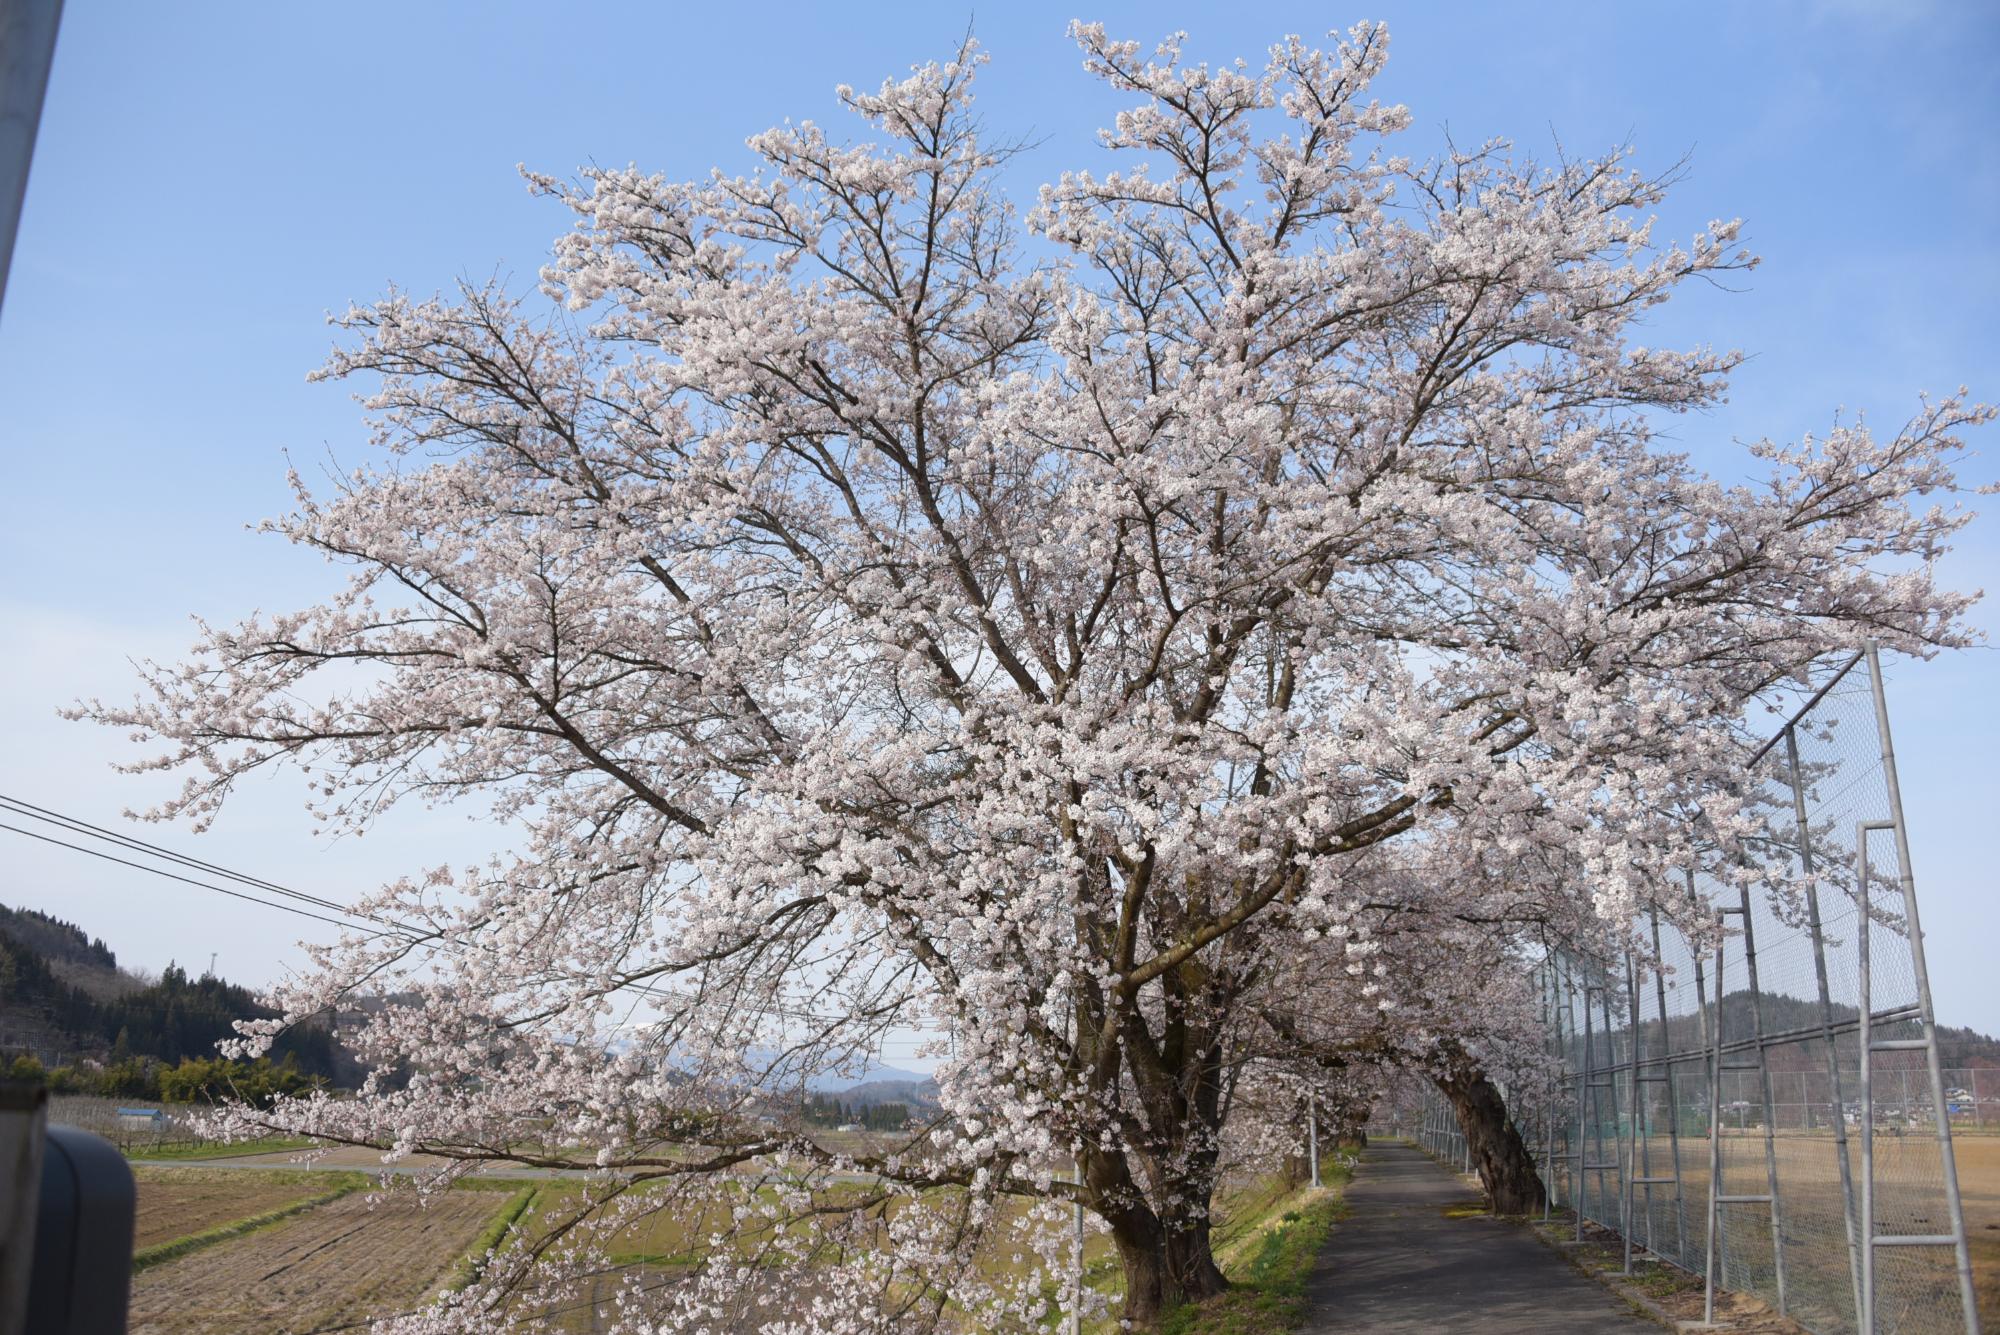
pixel 1191 1261
pixel 1505 1167
pixel 1165 1266
pixel 1166 1253
pixel 1143 1256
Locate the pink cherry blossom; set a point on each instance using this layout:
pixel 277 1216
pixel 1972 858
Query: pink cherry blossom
pixel 1176 648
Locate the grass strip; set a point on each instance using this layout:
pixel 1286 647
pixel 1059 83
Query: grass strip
pixel 490 1237
pixel 236 1149
pixel 1268 1261
pixel 161 1252
pixel 475 1182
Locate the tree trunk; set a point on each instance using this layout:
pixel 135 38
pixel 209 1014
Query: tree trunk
pixel 1505 1167
pixel 1167 1259
pixel 1142 1253
pixel 1164 1268
pixel 1189 1195
pixel 1191 1263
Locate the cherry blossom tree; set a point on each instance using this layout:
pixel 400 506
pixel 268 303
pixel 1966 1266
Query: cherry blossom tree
pixel 859 607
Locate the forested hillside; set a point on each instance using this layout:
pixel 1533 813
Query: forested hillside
pixel 1791 1024
pixel 65 1002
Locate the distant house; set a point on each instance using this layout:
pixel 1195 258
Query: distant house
pixel 151 1120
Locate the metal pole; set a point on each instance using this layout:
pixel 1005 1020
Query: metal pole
pixel 1312 1134
pixel 1804 827
pixel 1764 1087
pixel 1712 1040
pixel 1572 1084
pixel 1581 1152
pixel 1629 1142
pixel 1954 1205
pixel 1673 1097
pixel 1076 1205
pixel 1865 928
pixel 27 49
pixel 1551 1099
pixel 1594 1133
pixel 1076 1253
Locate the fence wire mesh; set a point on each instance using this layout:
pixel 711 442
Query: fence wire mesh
pixel 1767 1106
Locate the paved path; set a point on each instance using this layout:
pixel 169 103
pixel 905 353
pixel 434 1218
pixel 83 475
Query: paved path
pixel 1397 1266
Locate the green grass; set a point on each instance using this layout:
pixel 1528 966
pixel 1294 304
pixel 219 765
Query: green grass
pixel 505 1185
pixel 160 1253
pixel 491 1236
pixel 1266 1243
pixel 237 1150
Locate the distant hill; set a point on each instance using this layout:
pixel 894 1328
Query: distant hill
pixel 853 1075
pixel 58 942
pixel 916 1092
pixel 868 1076
pixel 1791 1027
pixel 65 1001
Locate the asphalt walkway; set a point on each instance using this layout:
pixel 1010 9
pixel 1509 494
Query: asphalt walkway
pixel 1397 1265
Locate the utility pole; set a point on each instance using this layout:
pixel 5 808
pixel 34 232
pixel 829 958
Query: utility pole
pixel 1076 1251
pixel 1076 1202
pixel 1312 1133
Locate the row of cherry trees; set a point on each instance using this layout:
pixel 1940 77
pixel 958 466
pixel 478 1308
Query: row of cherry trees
pixel 1180 644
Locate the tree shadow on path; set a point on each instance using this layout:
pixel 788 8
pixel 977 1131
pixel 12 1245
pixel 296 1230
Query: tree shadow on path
pixel 1410 1258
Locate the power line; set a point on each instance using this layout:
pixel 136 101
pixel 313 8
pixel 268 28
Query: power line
pixel 75 825
pixel 422 937
pixel 161 871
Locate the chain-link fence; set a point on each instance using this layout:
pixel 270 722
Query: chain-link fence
pixel 1438 1132
pixel 134 1126
pixel 1765 1104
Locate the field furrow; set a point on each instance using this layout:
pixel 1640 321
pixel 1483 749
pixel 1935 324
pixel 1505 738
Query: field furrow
pixel 343 1261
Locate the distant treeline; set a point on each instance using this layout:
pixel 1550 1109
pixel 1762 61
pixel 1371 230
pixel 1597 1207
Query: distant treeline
pixel 1799 1021
pixel 195 1080
pixel 161 1023
pixel 832 1110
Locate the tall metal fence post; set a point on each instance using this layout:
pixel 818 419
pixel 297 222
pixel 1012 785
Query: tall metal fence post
pixel 1954 1205
pixel 1634 1111
pixel 1764 1089
pixel 1673 1093
pixel 1864 929
pixel 1619 1162
pixel 1579 1146
pixel 1589 1131
pixel 1712 1041
pixel 1551 1102
pixel 1818 931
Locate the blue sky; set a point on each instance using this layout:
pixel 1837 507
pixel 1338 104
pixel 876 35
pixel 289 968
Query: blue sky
pixel 211 179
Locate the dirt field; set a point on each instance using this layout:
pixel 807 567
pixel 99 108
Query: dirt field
pixel 1979 1187
pixel 180 1202
pixel 1916 1286
pixel 343 1261
pixel 336 1262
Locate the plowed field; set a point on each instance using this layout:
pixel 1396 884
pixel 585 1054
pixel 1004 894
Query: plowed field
pixel 180 1202
pixel 337 1262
